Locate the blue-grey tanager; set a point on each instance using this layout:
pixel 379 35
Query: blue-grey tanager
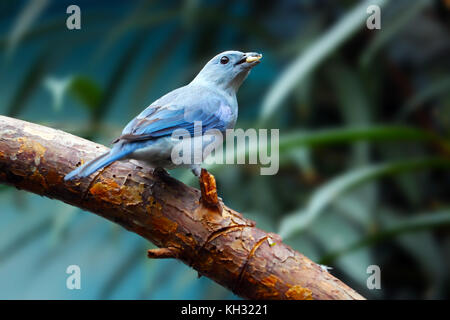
pixel 210 99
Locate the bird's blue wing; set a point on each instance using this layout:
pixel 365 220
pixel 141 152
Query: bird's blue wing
pixel 158 121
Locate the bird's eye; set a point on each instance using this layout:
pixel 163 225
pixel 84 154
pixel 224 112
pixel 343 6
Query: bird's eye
pixel 224 60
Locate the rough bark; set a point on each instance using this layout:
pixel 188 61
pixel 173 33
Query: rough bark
pixel 220 244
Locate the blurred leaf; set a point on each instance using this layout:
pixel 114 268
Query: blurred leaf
pixel 63 221
pixel 350 91
pixel 87 91
pixel 424 248
pixel 31 11
pixel 190 10
pixel 129 262
pixel 125 25
pixel 354 105
pixel 152 70
pixel 185 280
pixel 344 135
pixel 356 207
pixel 410 188
pixel 407 225
pixel 435 88
pixel 347 135
pixel 117 77
pixel 30 82
pixel 300 139
pixel 313 56
pixel 57 88
pixel 61 234
pixel 334 232
pixel 304 37
pixel 158 278
pixel 307 244
pixel 23 239
pixel 302 158
pixel 302 218
pixel 356 109
pixel 421 245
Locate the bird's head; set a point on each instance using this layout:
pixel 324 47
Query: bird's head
pixel 228 70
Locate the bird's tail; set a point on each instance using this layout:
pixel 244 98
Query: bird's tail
pixel 100 162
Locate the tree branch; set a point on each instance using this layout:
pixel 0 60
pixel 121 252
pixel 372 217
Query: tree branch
pixel 223 246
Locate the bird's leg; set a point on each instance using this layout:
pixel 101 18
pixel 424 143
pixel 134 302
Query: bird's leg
pixel 208 188
pixel 196 170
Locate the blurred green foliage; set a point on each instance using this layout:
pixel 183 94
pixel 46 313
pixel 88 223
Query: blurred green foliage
pixel 364 119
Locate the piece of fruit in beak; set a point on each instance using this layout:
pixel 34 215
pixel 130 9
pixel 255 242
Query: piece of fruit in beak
pixel 253 58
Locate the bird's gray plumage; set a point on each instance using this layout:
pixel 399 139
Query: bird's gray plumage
pixel 210 99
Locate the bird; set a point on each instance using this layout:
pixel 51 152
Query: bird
pixel 209 99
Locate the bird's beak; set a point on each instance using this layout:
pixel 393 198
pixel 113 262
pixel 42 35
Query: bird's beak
pixel 253 57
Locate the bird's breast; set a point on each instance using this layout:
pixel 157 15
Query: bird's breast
pixel 163 151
